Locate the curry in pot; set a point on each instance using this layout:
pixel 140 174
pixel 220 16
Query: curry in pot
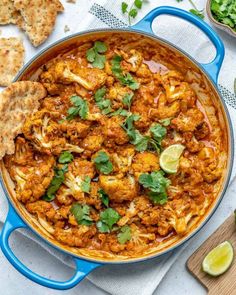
pixel 87 164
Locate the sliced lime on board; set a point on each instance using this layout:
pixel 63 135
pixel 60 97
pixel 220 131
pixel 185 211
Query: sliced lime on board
pixel 169 159
pixel 219 259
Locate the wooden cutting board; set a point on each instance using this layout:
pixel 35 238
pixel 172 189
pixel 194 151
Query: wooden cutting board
pixel 226 283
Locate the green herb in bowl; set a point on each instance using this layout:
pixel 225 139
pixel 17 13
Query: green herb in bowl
pixel 224 11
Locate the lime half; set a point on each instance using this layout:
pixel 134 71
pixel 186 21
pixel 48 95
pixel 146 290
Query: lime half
pixel 219 259
pixel 169 159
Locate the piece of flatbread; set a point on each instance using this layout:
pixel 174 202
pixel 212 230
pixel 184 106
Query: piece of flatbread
pixel 17 101
pixel 39 18
pixel 11 59
pixel 9 14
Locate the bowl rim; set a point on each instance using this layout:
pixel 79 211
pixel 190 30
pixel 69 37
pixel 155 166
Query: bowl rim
pixel 228 171
pixel 218 24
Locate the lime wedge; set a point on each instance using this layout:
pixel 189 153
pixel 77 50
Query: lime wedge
pixel 219 259
pixel 169 159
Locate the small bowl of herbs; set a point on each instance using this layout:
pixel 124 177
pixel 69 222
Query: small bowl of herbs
pixel 222 13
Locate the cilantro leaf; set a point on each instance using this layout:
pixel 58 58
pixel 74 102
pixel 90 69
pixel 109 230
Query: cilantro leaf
pixel 124 235
pixel 107 219
pixel 125 79
pixel 81 214
pixel 224 12
pixel 124 7
pixel 138 3
pixel 65 157
pixel 80 108
pixel 103 163
pixel 94 55
pixel 157 184
pixel 165 122
pixel 127 99
pixel 198 13
pixel 120 112
pixel 133 12
pixel 100 47
pixel 58 178
pixel 104 197
pixel 85 184
pixel 103 104
pixel 158 132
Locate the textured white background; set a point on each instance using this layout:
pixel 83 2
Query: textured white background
pixel 177 281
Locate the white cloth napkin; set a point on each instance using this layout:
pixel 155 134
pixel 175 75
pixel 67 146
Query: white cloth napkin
pixel 140 278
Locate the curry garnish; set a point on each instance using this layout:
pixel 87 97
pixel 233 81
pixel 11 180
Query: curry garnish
pixel 81 214
pixel 103 163
pixel 157 185
pixel 80 108
pixel 103 104
pixel 94 54
pixel 124 78
pixel 65 157
pixel 133 10
pixel 127 99
pixel 124 235
pixel 104 197
pixel 59 177
pixel 85 184
pixel 107 219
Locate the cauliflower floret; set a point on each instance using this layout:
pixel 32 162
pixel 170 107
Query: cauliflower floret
pixel 145 162
pixel 181 213
pixel 64 195
pixel 202 131
pixel 114 132
pixel 188 121
pixel 212 164
pixel 78 236
pixel 118 190
pixel 164 109
pixel 32 178
pixel 134 58
pixel 122 159
pixel 117 92
pixel 70 71
pixel 139 237
pixel 92 143
pixel 46 134
pixel 77 171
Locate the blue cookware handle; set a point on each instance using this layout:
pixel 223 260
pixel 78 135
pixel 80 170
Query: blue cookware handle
pixel 13 221
pixel 213 67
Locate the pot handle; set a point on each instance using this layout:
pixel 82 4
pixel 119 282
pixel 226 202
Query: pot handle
pixel 211 68
pixel 13 221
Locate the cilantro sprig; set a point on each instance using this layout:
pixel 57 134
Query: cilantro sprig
pixel 157 185
pixel 124 78
pixel 104 197
pixel 195 10
pixel 80 108
pixel 107 219
pixel 58 178
pixel 85 184
pixel 224 12
pixel 103 104
pixel 124 235
pixel 133 10
pixel 81 214
pixel 144 142
pixel 103 163
pixel 65 157
pixel 94 54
